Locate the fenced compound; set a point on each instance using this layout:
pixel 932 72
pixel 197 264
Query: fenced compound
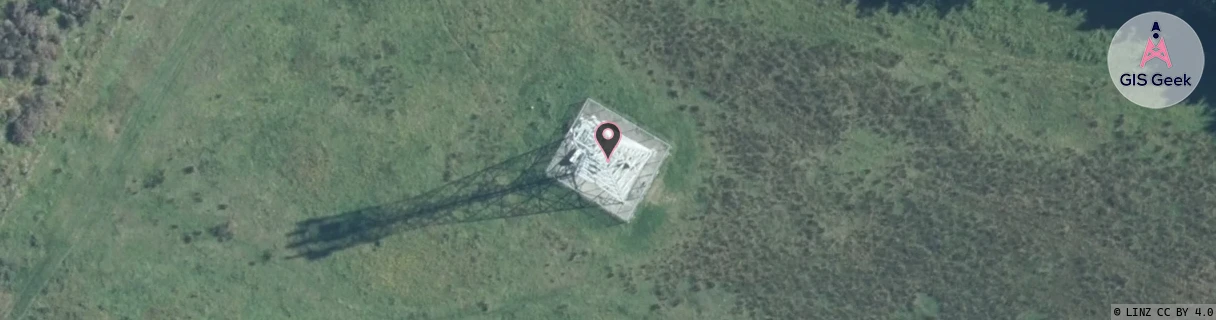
pixel 619 185
pixel 562 175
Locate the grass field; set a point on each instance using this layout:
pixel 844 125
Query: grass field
pixel 828 164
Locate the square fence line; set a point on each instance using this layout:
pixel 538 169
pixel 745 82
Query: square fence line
pixel 618 186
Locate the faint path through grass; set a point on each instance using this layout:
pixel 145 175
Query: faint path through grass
pixel 184 46
pixel 443 22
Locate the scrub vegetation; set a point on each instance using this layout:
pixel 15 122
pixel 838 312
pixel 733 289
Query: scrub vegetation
pixel 833 159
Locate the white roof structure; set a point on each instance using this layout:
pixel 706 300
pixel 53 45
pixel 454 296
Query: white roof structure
pixel 617 186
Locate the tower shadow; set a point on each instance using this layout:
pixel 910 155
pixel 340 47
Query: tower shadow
pixel 515 187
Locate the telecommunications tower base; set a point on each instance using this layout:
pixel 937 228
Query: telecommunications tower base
pixel 619 185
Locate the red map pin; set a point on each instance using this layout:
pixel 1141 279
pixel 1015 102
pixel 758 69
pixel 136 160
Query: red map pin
pixel 607 135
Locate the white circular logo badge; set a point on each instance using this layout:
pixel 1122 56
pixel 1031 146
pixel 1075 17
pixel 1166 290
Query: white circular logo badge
pixel 1155 60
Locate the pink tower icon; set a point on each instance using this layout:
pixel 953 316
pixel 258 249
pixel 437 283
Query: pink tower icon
pixel 1156 51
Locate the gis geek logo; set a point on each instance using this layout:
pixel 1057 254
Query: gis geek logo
pixel 1148 74
pixel 1155 51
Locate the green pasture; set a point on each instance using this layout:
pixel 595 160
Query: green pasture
pixel 251 116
